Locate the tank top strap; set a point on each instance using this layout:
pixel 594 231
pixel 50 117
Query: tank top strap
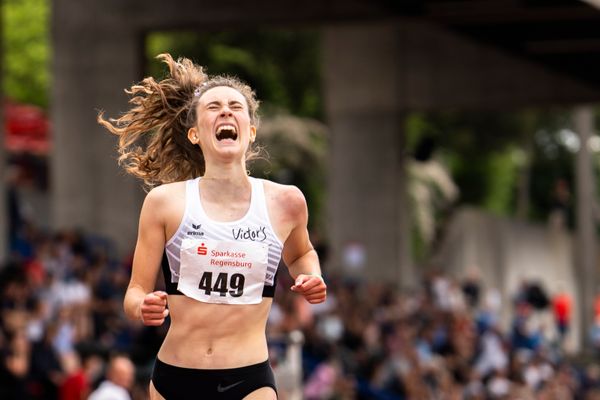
pixel 259 202
pixel 192 197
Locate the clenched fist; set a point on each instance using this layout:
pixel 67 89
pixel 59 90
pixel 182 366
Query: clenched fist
pixel 153 309
pixel 312 287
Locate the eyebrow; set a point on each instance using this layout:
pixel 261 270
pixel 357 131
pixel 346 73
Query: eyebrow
pixel 218 102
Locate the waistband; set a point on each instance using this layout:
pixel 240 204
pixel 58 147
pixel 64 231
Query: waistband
pixel 247 369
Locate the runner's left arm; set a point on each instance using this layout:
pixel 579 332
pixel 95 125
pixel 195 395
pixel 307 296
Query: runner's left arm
pixel 299 254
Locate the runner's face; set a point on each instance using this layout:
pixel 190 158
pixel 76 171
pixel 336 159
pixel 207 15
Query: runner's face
pixel 223 129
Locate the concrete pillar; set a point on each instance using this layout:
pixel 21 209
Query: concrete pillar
pixel 586 252
pixel 361 71
pixel 409 275
pixel 90 70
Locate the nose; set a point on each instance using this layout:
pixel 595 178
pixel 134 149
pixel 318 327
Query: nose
pixel 226 112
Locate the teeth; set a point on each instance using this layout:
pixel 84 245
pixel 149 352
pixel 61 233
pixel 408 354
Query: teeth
pixel 226 131
pixel 226 128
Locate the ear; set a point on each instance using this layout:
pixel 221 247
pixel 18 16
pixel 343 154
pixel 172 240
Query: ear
pixel 252 133
pixel 193 135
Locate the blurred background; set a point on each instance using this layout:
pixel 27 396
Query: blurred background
pixel 448 151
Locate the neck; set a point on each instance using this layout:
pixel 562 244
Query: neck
pixel 231 173
pixel 226 184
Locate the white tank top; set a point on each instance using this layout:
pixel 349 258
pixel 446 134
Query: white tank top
pixel 255 226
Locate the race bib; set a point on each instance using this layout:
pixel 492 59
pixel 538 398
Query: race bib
pixel 214 271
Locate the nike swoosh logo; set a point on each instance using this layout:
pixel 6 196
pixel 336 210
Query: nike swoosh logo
pixel 222 389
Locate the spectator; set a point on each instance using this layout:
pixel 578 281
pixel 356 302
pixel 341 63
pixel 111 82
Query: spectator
pixel 471 287
pixel 76 385
pixel 46 369
pixel 15 367
pixel 561 307
pixel 119 380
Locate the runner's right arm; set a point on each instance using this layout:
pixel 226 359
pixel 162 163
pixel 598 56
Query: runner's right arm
pixel 141 301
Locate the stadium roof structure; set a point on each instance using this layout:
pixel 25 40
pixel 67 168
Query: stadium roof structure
pixel 563 35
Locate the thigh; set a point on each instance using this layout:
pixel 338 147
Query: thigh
pixel 154 395
pixel 264 393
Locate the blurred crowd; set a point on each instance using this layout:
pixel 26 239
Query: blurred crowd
pixel 63 334
pixel 441 341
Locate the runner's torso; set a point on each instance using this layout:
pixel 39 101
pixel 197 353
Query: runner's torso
pixel 226 271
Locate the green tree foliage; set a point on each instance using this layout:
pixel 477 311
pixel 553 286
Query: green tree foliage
pixel 25 30
pixel 503 162
pixel 476 147
pixel 487 152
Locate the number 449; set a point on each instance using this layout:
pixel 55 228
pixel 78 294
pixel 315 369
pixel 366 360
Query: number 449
pixel 222 284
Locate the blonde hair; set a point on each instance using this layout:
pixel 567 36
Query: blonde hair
pixel 153 143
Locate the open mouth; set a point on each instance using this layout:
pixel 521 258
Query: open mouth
pixel 226 132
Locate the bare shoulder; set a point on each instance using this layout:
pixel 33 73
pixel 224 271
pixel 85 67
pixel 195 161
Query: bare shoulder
pixel 164 206
pixel 165 201
pixel 161 194
pixel 286 200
